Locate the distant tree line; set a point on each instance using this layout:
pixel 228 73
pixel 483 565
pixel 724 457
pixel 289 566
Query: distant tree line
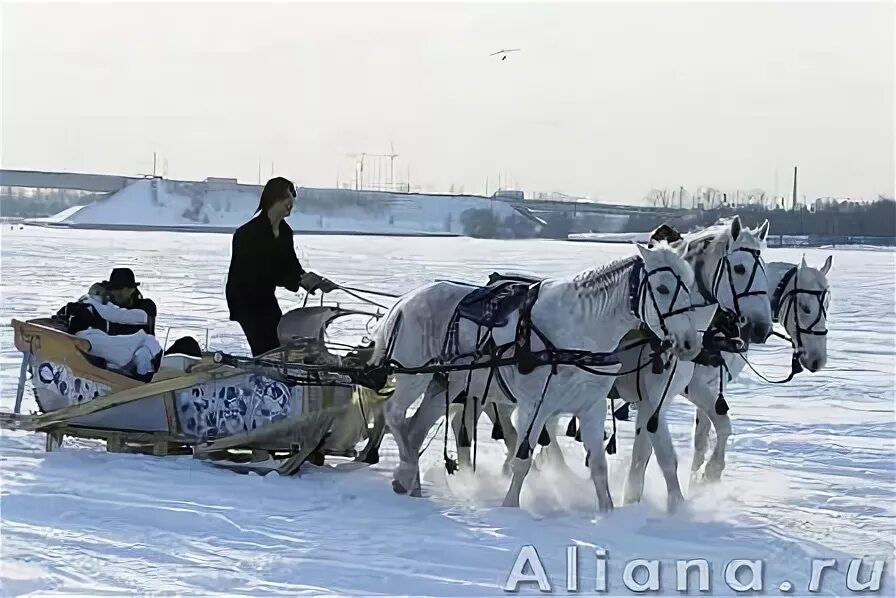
pixel 872 219
pixel 485 224
pixel 21 203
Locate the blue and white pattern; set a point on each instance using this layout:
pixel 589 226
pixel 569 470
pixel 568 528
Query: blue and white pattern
pixel 60 380
pixel 240 404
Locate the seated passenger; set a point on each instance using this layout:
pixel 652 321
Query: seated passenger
pixel 122 290
pixel 121 336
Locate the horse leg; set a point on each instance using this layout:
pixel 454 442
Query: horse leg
pixel 463 450
pixel 591 422
pixel 420 424
pixel 505 415
pixel 701 442
pixel 642 449
pixel 704 398
pixel 371 452
pixel 462 423
pixel 522 458
pixel 661 440
pixel 551 456
pixel 668 462
pixel 408 387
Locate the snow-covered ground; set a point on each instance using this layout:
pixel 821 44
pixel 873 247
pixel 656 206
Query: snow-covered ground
pixel 810 467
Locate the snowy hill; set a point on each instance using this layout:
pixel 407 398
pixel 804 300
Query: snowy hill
pixel 223 206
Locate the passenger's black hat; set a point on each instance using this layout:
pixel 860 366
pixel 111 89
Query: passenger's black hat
pixel 121 278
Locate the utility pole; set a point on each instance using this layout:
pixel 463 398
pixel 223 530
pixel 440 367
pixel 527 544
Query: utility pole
pixel 153 165
pixel 794 188
pixel 359 178
pixel 391 157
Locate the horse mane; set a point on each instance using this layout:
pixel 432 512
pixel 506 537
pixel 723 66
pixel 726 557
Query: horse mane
pixel 600 278
pixel 708 241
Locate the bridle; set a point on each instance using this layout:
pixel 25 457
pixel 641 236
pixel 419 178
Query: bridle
pixel 640 288
pixel 725 268
pixel 789 301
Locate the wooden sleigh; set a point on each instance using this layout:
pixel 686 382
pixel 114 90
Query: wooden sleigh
pixel 223 414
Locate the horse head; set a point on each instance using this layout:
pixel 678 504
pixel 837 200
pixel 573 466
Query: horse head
pixel 803 311
pixel 664 297
pixel 731 272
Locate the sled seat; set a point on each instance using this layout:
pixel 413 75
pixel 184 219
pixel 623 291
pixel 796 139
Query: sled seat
pixel 42 338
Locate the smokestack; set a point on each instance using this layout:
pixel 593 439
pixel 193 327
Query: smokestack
pixel 794 188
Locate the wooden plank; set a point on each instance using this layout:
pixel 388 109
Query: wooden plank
pixel 137 437
pixel 171 413
pixel 16 421
pixel 115 443
pixel 160 446
pixel 54 441
pixel 20 390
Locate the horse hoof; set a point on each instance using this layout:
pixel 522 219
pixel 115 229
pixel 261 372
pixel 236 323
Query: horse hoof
pixel 712 475
pixel 673 504
pixel 398 488
pixel 316 458
pixel 631 500
pixel 371 458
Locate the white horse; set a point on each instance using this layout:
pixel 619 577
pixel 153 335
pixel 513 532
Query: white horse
pixel 729 273
pixel 589 313
pixel 799 299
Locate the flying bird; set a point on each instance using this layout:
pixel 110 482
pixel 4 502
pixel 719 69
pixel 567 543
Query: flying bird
pixel 504 52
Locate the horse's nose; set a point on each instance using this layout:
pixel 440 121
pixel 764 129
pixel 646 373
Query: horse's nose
pixel 687 345
pixel 759 333
pixel 814 366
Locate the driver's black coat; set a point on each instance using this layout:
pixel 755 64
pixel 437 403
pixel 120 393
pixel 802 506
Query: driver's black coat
pixel 259 264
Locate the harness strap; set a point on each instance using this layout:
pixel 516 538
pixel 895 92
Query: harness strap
pixel 778 293
pixel 524 327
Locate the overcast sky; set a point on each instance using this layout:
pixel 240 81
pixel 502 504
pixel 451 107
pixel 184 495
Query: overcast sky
pixel 603 99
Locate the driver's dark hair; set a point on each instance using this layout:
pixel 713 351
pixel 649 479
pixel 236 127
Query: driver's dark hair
pixel 276 189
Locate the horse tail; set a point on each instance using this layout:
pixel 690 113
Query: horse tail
pixel 385 336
